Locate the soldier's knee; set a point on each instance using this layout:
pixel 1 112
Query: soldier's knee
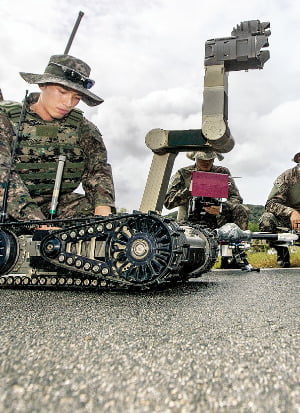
pixel 242 210
pixel 240 216
pixel 267 222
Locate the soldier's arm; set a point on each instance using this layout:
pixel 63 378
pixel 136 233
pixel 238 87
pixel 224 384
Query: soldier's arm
pixel 97 180
pixel 20 203
pixel 234 196
pixel 177 193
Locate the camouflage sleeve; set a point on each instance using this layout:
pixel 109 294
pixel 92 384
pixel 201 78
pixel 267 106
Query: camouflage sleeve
pixel 97 180
pixel 234 196
pixel 177 193
pixel 277 202
pixel 20 204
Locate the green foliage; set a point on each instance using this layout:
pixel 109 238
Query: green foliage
pixel 256 212
pixel 172 215
pixel 253 226
pixel 266 260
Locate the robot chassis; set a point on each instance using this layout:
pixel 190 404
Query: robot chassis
pixel 142 249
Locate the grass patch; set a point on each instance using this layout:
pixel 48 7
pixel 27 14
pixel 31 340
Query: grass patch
pixel 268 258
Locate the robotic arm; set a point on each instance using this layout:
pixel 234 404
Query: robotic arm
pixel 240 51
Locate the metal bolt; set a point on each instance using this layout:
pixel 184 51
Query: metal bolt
pixel 87 266
pixel 72 234
pixel 70 260
pixel 61 258
pixel 49 247
pixel 105 271
pixel 78 263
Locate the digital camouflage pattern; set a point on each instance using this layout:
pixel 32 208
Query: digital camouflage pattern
pixel 54 73
pixel 34 171
pixel 178 195
pixel 283 199
pixel 206 153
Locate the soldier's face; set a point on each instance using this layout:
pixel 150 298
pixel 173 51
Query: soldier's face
pixel 204 165
pixel 56 101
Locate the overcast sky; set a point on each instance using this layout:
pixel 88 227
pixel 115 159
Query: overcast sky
pixel 147 58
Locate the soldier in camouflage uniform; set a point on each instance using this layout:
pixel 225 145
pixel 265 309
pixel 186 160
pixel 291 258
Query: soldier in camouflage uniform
pixel 52 127
pixel 282 208
pixel 179 193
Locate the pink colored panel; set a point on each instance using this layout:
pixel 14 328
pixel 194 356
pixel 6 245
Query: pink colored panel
pixel 209 184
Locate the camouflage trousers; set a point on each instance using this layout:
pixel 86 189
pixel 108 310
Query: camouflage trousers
pixel 238 214
pixel 270 222
pixel 69 206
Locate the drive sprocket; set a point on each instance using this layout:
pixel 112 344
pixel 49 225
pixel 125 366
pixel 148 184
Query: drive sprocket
pixel 141 249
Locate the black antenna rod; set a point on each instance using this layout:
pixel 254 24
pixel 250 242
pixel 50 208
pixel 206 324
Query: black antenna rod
pixel 80 15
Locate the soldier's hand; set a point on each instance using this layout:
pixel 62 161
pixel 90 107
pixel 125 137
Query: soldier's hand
pixel 103 210
pixel 46 227
pixel 213 210
pixel 295 220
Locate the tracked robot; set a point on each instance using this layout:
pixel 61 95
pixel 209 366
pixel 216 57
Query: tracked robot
pixel 142 249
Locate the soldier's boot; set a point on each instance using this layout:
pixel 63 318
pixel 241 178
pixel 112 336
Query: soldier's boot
pixel 283 256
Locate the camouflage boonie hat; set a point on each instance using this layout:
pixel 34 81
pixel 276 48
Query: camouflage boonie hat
pixel 295 159
pixel 70 72
pixel 205 154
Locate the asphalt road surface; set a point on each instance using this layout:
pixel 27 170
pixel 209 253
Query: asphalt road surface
pixel 228 342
